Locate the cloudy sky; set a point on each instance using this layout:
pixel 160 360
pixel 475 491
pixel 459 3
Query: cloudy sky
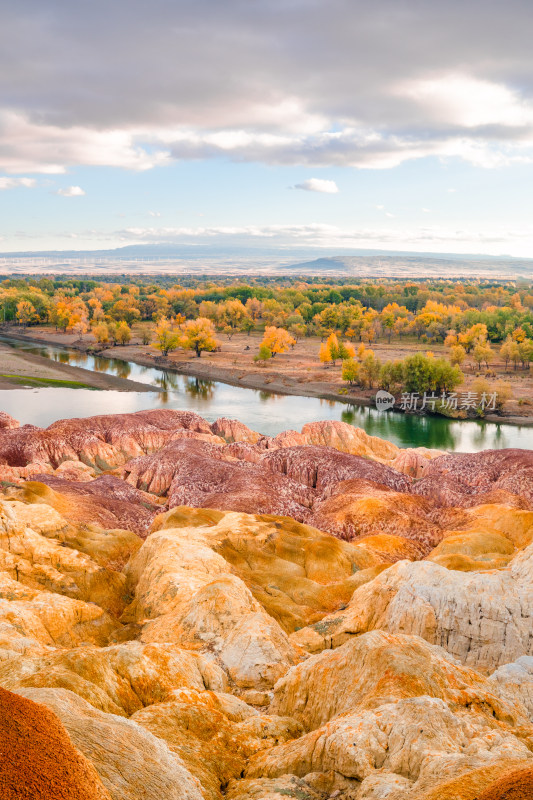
pixel 397 124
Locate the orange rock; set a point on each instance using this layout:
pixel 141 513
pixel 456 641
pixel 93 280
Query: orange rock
pixel 39 762
pixel 514 785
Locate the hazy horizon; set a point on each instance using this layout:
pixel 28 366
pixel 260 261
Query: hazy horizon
pixel 241 262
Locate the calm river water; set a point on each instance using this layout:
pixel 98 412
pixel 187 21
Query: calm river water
pixel 262 411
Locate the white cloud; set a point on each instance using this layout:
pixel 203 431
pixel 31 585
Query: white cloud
pixel 311 232
pixel 468 102
pixel 490 239
pixel 317 185
pixel 239 81
pixel 14 183
pixel 71 191
pixel 30 146
pixel 154 213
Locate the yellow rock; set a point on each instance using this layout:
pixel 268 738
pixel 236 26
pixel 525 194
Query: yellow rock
pixel 473 551
pixel 513 523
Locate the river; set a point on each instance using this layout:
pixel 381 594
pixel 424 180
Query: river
pixel 262 411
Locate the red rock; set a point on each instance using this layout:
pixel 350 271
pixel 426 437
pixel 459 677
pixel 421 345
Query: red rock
pixel 7 422
pixel 39 762
pixel 360 508
pixel 204 476
pixel 318 467
pixel 107 501
pixel 411 463
pixel 234 431
pixel 510 470
pixel 243 451
pixel 103 442
pixel 155 473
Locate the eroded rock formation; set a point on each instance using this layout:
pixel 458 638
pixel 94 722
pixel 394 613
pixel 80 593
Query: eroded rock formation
pixel 197 612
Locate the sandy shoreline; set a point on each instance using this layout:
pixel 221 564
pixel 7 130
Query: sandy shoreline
pixel 204 369
pixel 16 367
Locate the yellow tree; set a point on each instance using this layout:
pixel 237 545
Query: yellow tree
pixel 101 332
pixel 361 350
pixel 525 348
pixel 350 370
pixel 278 340
pixel 475 335
pixel 60 313
pixel 198 335
pixel 333 347
pixel 254 308
pixel 97 312
pixel 26 312
pixel 231 315
pixel 457 354
pixel 209 309
pixel 165 337
pixel 325 354
pixel 123 334
pixel 401 326
pixel 508 350
pixel 451 339
pixel 125 309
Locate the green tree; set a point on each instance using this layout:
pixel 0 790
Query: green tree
pixel 427 374
pixel 264 354
pixel 419 373
pixel 482 353
pixel 525 350
pixel 391 375
pixel 370 369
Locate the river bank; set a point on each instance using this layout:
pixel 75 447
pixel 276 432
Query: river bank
pixel 296 373
pixel 19 369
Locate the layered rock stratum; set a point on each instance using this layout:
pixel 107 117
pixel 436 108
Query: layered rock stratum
pixel 194 611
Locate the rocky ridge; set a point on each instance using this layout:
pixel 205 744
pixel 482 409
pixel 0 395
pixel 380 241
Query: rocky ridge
pixel 198 611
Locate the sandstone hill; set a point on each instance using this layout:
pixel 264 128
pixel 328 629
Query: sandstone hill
pixel 193 611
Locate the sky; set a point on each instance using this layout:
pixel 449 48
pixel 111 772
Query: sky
pixel 396 125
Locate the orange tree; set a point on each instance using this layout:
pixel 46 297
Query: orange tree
pixel 278 340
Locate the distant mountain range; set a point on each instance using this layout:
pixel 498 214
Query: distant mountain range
pixel 212 260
